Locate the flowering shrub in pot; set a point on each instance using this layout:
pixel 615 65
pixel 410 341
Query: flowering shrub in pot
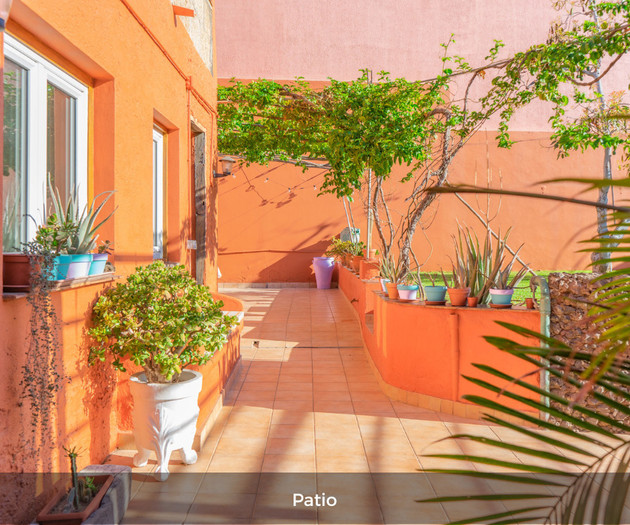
pixel 163 321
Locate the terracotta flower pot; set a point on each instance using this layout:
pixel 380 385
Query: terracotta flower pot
pixel 369 269
pixel 392 290
pixel 472 301
pixel 529 303
pixel 356 262
pixel 458 296
pixel 16 268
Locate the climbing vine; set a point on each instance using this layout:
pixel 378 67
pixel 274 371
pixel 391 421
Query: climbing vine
pixel 358 127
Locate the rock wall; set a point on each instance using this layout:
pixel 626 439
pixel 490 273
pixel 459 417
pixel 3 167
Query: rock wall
pixel 570 323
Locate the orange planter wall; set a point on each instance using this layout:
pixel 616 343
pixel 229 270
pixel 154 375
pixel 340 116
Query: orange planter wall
pixel 427 349
pixel 132 85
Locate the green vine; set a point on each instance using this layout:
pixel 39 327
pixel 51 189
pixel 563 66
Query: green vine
pixel 41 380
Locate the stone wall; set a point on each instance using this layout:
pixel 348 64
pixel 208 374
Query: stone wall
pixel 570 323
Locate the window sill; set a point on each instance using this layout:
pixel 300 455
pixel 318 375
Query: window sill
pixel 68 284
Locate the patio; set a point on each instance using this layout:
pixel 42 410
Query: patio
pixel 307 415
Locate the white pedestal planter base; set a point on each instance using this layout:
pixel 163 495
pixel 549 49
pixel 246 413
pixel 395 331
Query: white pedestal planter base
pixel 165 419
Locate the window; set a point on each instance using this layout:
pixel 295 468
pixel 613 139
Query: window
pixel 45 132
pixel 158 194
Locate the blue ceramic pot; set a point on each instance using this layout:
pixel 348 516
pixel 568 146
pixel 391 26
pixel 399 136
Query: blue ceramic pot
pixel 98 263
pixel 501 296
pixel 435 294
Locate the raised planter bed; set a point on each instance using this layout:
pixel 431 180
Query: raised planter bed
pixel 420 352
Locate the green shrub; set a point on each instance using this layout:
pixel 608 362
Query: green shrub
pixel 161 319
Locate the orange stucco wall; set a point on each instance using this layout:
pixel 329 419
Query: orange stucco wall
pixel 268 234
pixel 132 85
pixel 428 349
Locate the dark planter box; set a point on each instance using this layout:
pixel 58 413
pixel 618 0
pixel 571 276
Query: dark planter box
pixel 74 518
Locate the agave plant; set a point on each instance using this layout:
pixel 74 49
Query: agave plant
pixel 574 465
pixel 84 238
pixel 392 270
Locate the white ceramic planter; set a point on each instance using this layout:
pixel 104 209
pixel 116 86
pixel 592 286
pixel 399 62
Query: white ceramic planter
pixel 165 419
pixel 383 283
pixel 408 292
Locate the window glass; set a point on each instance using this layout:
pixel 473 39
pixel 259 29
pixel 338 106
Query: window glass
pixel 45 134
pixel 60 141
pixel 158 194
pixel 14 169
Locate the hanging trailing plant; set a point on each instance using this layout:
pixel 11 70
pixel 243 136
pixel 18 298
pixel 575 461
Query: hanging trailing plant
pixel 41 379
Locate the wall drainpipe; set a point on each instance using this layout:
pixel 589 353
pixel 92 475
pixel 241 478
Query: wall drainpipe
pixel 544 307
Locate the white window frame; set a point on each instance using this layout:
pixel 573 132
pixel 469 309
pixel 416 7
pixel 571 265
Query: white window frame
pixel 39 73
pixel 158 193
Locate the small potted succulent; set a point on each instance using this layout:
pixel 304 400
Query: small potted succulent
pixel 392 273
pixel 164 322
pixel 410 287
pixel 501 293
pixel 435 294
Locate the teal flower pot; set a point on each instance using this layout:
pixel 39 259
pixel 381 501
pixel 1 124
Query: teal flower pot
pixel 501 296
pixel 435 294
pixel 98 263
pixel 79 266
pixel 62 263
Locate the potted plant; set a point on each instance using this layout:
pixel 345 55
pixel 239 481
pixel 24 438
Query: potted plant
pixel 164 322
pixel 410 286
pixel 99 259
pixel 392 273
pixel 75 505
pixel 501 293
pixel 356 249
pixel 482 263
pixel 435 294
pixel 80 245
pixel 458 287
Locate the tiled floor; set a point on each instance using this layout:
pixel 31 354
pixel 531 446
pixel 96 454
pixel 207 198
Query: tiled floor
pixel 308 403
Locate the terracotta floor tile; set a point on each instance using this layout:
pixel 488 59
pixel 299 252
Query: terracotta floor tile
pixel 288 463
pixel 298 395
pixel 305 431
pixel 356 463
pixel 293 405
pixel 332 395
pixel 256 395
pixel 290 445
pixel 292 417
pixel 230 483
pixel 294 387
pixel 241 446
pixel 339 447
pixel 332 386
pixel 224 463
pixel 221 507
pixel 171 507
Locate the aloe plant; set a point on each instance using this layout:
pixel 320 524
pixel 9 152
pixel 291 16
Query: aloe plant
pixel 392 270
pixel 84 238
